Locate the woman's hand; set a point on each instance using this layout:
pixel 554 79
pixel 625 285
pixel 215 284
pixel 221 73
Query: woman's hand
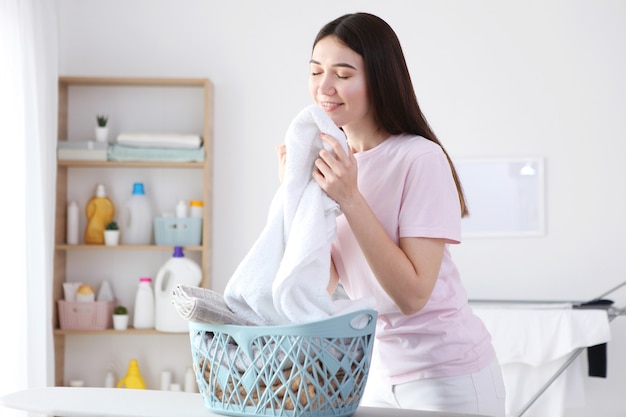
pixel 281 151
pixel 336 172
pixel 406 271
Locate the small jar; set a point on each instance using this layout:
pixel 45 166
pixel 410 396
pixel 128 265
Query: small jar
pixel 196 208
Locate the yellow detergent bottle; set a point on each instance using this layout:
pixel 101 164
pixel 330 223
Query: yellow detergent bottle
pixel 133 378
pixel 100 211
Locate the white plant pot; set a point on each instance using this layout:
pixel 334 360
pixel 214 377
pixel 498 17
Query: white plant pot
pixel 120 321
pixel 102 134
pixel 111 237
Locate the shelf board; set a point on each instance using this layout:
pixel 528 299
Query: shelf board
pixel 137 164
pixel 129 331
pixel 134 81
pixel 123 247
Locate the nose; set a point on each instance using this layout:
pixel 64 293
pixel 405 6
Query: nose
pixel 326 86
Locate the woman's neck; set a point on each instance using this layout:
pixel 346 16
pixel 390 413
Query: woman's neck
pixel 364 139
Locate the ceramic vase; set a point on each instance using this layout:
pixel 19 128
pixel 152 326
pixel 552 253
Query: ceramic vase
pixel 120 321
pixel 111 237
pixel 102 134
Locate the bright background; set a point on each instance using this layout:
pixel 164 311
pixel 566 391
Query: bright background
pixel 495 79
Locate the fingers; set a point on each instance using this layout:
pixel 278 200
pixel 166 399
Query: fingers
pixel 334 144
pixel 334 158
pixel 322 168
pixel 281 152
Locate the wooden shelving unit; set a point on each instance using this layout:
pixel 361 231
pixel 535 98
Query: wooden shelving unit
pixel 63 173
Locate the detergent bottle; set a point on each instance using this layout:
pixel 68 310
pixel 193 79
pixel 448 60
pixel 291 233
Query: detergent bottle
pixel 100 211
pixel 137 219
pixel 133 378
pixel 144 305
pixel 177 270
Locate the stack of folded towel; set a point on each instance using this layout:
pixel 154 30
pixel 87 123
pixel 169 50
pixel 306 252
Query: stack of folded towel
pixel 161 147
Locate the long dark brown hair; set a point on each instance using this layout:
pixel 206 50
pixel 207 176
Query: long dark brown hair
pixel 390 89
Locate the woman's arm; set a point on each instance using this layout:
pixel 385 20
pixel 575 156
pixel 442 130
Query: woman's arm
pixel 408 271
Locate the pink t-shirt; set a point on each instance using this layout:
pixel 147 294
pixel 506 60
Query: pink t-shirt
pixel 408 184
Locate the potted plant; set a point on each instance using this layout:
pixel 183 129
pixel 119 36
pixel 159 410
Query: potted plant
pixel 120 318
pixel 102 130
pixel 111 234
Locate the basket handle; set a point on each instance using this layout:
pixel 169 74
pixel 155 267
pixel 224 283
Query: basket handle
pixel 362 320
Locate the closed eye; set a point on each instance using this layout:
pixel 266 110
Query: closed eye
pixel 317 68
pixel 341 77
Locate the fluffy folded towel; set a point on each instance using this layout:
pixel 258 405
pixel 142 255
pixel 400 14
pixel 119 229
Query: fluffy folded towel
pixel 122 153
pixel 284 277
pixel 160 140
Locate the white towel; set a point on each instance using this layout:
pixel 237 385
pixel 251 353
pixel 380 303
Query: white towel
pixel 160 140
pixel 284 277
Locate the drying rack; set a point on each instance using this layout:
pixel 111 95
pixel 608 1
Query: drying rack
pixel 599 303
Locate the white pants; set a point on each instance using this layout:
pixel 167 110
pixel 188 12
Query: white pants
pixel 480 393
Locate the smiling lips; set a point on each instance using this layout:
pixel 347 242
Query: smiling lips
pixel 328 106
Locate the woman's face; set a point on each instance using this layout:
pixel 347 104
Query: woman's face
pixel 337 82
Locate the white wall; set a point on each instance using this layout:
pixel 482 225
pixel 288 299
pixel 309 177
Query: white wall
pixel 533 78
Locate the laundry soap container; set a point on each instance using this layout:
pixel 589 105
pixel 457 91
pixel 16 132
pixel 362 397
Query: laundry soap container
pixel 144 305
pixel 100 211
pixel 177 270
pixel 133 378
pixel 137 218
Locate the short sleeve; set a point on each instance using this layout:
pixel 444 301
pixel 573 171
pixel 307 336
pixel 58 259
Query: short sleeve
pixel 430 204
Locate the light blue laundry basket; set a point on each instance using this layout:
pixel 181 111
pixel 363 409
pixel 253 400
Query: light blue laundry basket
pixel 315 369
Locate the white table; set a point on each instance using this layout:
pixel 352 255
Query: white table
pixel 533 341
pixel 117 402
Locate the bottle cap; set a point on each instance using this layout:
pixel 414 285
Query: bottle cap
pixel 138 188
pixel 196 203
pixel 145 279
pixel 100 192
pixel 178 252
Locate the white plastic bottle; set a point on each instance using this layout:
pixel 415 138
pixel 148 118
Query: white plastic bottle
pixel 109 380
pixel 105 293
pixel 181 209
pixel 190 381
pixel 72 223
pixel 137 218
pixel 144 305
pixel 177 270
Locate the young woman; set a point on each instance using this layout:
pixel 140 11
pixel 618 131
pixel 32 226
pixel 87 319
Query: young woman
pixel 402 205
